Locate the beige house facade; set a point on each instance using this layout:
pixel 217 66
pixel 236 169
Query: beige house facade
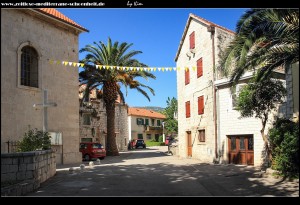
pixel 144 124
pixel 93 120
pixel 29 38
pixel 209 127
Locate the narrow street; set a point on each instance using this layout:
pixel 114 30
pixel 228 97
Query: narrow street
pixel 152 172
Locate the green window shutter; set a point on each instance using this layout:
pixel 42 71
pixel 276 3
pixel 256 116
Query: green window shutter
pixel 146 121
pixel 158 122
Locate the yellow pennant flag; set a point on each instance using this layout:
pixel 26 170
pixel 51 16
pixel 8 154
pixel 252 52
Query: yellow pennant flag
pixel 194 68
pixel 162 69
pixel 81 64
pixel 65 63
pixel 149 68
pixel 51 61
pixel 154 69
pixel 74 64
pixel 186 68
pixel 57 62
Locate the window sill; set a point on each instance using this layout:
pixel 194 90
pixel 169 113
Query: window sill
pixel 201 143
pixel 29 88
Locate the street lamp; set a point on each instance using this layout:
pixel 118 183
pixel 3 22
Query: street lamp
pixel 163 124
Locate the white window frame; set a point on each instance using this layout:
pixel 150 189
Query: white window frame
pixel 236 94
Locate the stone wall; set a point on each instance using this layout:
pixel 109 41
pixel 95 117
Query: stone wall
pixel 24 172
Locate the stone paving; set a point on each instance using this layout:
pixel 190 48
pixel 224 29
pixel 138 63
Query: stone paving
pixel 152 172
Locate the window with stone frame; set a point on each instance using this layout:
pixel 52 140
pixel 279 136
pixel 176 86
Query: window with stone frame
pixel 201 135
pixel 29 67
pixel 86 119
pixel 139 121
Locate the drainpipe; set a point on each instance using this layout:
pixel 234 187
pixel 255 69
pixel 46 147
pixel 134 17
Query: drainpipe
pixel 211 29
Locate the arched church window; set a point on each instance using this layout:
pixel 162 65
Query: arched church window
pixel 29 67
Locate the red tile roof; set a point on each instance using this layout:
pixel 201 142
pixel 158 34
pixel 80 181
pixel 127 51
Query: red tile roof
pixel 145 113
pixel 204 21
pixel 59 16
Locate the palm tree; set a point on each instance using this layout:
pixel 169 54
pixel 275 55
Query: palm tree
pixel 110 80
pixel 266 39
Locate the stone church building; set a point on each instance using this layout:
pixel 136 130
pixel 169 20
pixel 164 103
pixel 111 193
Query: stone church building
pixel 29 39
pixel 93 119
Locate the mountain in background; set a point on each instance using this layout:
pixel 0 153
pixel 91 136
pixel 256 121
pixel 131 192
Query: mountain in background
pixel 154 108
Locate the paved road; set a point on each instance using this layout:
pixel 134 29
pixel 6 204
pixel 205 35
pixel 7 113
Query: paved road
pixel 152 172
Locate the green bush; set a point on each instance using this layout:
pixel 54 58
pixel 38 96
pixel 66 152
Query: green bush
pixel 284 140
pixel 161 138
pixel 34 140
pixel 150 143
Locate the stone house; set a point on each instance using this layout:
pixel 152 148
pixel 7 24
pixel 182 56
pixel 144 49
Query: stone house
pixel 29 38
pixel 92 120
pixel 144 124
pixel 208 122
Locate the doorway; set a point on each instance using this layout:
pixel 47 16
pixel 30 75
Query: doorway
pixel 241 149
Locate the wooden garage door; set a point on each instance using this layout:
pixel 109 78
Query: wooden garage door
pixel 241 149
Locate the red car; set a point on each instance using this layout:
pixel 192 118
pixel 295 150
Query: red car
pixel 91 150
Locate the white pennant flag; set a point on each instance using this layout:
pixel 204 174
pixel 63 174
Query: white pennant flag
pixel 118 67
pixel 167 69
pixel 137 68
pixel 158 69
pixel 145 69
pixel 174 68
pixel 97 66
pixel 78 64
pixel 131 68
pixel 70 63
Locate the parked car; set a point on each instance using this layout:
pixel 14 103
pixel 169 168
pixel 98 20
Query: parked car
pixel 168 140
pixel 140 143
pixel 92 150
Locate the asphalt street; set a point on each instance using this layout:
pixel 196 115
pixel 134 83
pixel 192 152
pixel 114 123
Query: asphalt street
pixel 152 172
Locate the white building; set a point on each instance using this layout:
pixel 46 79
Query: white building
pixel 144 124
pixel 207 122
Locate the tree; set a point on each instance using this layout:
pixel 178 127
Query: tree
pixel 171 124
pixel 265 39
pixel 258 99
pixel 110 80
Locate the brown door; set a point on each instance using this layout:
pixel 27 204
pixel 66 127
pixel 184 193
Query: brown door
pixel 189 144
pixel 241 149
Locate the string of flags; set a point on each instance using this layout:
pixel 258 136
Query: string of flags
pixel 75 64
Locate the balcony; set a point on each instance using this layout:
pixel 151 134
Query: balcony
pixel 152 128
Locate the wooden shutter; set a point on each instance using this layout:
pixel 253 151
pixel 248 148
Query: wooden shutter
pixel 192 40
pixel 199 68
pixel 187 109
pixel 187 76
pixel 200 105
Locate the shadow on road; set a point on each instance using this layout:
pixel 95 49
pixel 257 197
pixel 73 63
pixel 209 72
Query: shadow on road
pixel 138 174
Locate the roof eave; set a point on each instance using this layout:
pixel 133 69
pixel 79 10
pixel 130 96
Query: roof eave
pixel 59 20
pixel 202 21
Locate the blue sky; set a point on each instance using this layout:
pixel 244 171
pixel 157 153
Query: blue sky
pixel 155 32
